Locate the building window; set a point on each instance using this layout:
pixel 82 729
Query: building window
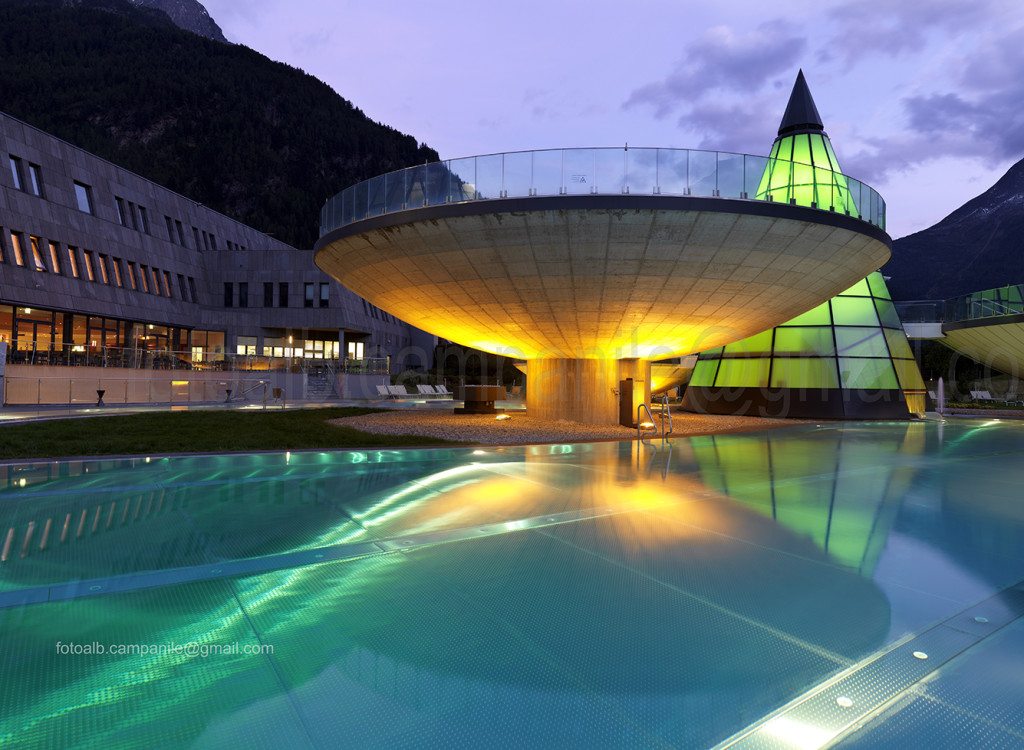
pixel 168 292
pixel 268 294
pixel 192 288
pixel 73 260
pixel 213 242
pixel 181 287
pixel 308 297
pixel 206 241
pixel 103 269
pixel 156 281
pixel 83 194
pixel 325 295
pixel 195 233
pixel 122 211
pixel 89 270
pixel 282 294
pixel 19 180
pixel 170 228
pixel 131 276
pixel 16 245
pixel 243 294
pixel 143 220
pixel 35 178
pixel 55 257
pixel 37 253
pixel 116 265
pixel 181 233
pixel 229 294
pixel 144 277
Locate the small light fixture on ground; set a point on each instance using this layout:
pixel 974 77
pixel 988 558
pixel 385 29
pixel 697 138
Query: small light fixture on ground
pixel 502 417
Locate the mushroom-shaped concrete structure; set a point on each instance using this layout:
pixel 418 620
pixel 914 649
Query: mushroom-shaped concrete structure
pixel 589 263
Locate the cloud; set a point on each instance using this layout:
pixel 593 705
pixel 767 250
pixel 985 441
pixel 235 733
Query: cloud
pixel 722 61
pixel 867 28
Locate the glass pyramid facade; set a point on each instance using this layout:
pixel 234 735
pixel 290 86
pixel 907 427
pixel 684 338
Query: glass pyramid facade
pixel 846 358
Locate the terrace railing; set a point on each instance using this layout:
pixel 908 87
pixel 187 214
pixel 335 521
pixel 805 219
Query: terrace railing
pixel 594 171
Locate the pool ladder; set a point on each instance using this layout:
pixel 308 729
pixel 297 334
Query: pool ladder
pixel 641 434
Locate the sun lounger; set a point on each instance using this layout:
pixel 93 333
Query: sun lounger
pixel 382 390
pixel 398 391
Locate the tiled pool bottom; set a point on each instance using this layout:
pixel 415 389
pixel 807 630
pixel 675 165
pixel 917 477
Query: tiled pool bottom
pixel 843 585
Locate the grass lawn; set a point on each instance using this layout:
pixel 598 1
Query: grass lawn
pixel 192 431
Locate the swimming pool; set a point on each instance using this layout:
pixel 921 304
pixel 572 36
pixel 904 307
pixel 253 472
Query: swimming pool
pixel 855 585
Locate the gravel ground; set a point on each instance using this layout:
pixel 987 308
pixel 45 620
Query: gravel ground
pixel 482 428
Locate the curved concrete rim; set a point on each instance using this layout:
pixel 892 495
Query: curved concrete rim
pixel 607 202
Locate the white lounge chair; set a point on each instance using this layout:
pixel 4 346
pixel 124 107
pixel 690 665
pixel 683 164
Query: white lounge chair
pixel 427 390
pixel 398 391
pixel 443 392
pixel 382 390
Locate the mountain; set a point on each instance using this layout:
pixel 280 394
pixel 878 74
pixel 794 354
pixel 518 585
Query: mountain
pixel 188 15
pixel 978 246
pixel 257 140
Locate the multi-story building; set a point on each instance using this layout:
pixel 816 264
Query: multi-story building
pixel 101 268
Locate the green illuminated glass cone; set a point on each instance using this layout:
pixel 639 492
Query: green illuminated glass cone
pixel 802 168
pixel 846 358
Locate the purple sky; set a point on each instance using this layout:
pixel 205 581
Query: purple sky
pixel 921 98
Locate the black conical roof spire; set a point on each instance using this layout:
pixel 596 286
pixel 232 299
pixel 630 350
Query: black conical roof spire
pixel 801 114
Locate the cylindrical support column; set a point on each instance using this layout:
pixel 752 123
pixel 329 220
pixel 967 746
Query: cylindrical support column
pixel 583 390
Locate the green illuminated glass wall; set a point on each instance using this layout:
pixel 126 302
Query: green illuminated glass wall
pixel 836 360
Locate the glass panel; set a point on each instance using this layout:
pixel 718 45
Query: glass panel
pixel 464 173
pixel 394 190
pixel 909 376
pixel 54 257
pixel 801 149
pixel 359 198
pixel 804 372
pixel 819 316
pixel 376 197
pixel 867 373
pixel 753 170
pixel 887 313
pixel 672 171
pixel 861 342
pixel 416 187
pixel 518 173
pixel 704 372
pixel 580 170
pixel 819 154
pixel 860 289
pixel 703 172
pixel 716 352
pixel 547 172
pixel 759 343
pixel 898 344
pixel 642 171
pixel 612 176
pixel 742 373
pixel 730 175
pixel 439 178
pixel 878 287
pixel 854 311
pixel 488 176
pixel 808 341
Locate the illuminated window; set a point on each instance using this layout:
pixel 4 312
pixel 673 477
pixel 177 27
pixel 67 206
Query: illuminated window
pixel 167 285
pixel 38 263
pixel 89 270
pixel 16 247
pixel 742 373
pixel 131 276
pixel 55 257
pixel 103 269
pixel 116 265
pixel 73 260
pixel 144 277
pixel 804 372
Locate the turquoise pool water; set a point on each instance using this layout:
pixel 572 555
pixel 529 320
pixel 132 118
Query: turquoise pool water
pixel 850 585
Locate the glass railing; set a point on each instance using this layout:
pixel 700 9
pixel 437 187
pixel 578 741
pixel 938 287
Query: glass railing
pixel 990 303
pixel 76 355
pixel 591 171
